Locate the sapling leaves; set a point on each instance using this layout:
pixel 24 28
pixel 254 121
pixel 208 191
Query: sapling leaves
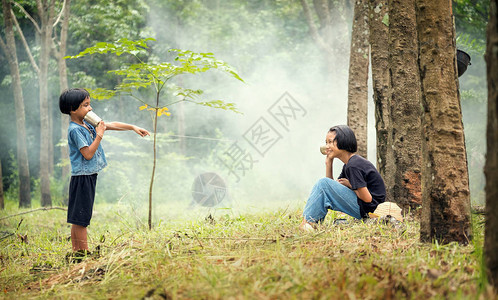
pixel 119 47
pixel 148 72
pixel 101 93
pixel 159 110
pixel 153 73
pixel 219 104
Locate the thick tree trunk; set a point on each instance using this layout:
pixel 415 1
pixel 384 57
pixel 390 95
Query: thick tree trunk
pixel 358 76
pixel 404 139
pixel 379 40
pixel 491 167
pixel 445 180
pixel 46 15
pixel 63 86
pixel 46 199
pixel 22 154
pixel 2 201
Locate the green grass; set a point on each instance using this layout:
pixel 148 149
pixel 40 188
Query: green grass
pixel 244 254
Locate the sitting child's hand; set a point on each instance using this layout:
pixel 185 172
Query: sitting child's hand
pixel 344 182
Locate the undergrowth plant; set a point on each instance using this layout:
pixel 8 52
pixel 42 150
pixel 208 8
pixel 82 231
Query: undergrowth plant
pixel 153 75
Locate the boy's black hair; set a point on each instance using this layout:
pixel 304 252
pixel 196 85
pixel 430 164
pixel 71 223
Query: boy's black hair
pixel 71 99
pixel 346 140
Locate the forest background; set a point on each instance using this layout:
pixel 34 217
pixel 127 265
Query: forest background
pixel 226 251
pixel 269 44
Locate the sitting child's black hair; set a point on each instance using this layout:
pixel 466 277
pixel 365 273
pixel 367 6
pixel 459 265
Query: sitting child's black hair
pixel 71 99
pixel 346 140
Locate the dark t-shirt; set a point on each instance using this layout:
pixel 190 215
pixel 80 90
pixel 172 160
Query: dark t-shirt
pixel 362 173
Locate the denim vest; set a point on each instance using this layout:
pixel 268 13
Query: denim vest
pixel 78 137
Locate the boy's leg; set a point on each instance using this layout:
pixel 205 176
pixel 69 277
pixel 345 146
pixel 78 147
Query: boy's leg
pixel 80 207
pixel 79 237
pixel 330 194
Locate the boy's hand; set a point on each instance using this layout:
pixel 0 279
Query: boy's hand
pixel 101 128
pixel 140 131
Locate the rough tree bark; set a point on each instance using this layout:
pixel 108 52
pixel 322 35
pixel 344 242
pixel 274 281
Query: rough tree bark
pixel 46 13
pixel 404 140
pixel 9 47
pixel 491 167
pixel 445 181
pixel 63 82
pixel 358 76
pixel 379 33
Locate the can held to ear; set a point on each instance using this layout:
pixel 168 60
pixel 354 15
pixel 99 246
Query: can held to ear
pixel 323 150
pixel 92 118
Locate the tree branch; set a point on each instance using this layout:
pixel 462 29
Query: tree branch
pixel 4 47
pixel 313 30
pixel 56 52
pixel 60 14
pixel 28 16
pixel 41 13
pixel 323 12
pixel 25 43
pixel 33 210
pixel 51 12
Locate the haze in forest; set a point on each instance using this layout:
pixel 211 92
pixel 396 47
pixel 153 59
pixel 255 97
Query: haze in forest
pixel 286 171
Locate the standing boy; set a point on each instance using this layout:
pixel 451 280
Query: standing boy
pixel 87 159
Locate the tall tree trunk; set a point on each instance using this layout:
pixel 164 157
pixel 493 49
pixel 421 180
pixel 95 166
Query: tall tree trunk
pixel 445 180
pixel 358 76
pixel 2 201
pixel 46 13
pixel 22 154
pixel 491 167
pixel 379 40
pixel 63 82
pixel 405 106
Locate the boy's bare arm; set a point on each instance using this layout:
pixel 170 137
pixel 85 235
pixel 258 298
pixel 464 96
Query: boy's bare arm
pixel 89 151
pixel 118 126
pixel 125 126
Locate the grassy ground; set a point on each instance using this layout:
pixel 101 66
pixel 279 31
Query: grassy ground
pixel 233 255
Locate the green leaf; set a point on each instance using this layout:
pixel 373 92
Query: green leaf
pixel 119 47
pixel 385 20
pixel 150 73
pixel 101 93
pixel 219 104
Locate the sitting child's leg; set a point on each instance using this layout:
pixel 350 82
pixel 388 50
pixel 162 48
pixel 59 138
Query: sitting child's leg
pixel 330 194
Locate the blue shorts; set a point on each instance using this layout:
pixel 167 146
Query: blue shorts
pixel 81 197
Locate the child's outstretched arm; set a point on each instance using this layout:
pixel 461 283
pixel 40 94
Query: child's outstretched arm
pixel 124 126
